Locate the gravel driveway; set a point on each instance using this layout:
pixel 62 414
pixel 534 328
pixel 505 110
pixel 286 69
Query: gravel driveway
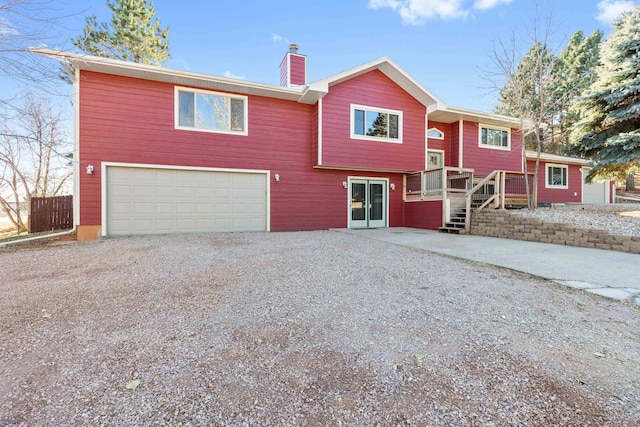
pixel 308 328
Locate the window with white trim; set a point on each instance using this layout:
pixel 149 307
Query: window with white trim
pixel 435 133
pixel 557 176
pixel 435 159
pixel 494 137
pixel 210 111
pixel 376 124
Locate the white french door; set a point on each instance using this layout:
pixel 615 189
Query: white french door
pixel 367 203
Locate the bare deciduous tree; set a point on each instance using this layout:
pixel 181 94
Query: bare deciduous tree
pixel 25 23
pixel 33 156
pixel 526 83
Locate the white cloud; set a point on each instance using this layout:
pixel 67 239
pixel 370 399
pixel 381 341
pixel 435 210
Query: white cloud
pixel 279 38
pixel 415 12
pixel 489 4
pixel 230 75
pixel 6 29
pixel 610 10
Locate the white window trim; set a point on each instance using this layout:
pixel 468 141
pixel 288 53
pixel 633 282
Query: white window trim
pixel 435 137
pixel 376 110
pixel 494 147
pixel 546 176
pixel 435 152
pixel 176 113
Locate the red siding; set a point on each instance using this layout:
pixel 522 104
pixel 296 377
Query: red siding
pixel 486 160
pixel 132 121
pixel 454 154
pixel 298 69
pixel 372 89
pixel 441 144
pixel 573 194
pixel 426 214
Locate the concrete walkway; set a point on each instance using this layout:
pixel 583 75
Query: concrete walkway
pixel 610 274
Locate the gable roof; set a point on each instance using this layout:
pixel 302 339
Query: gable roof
pixel 390 69
pixel 308 94
pixel 168 75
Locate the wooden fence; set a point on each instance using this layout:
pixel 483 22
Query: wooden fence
pixel 51 213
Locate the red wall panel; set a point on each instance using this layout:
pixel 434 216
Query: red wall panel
pixel 132 121
pixel 454 153
pixel 441 144
pixel 486 160
pixel 573 194
pixel 427 214
pixel 298 70
pixel 372 89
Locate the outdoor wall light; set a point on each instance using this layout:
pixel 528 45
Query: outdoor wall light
pixel 277 177
pixel 392 186
pixel 344 184
pixel 89 169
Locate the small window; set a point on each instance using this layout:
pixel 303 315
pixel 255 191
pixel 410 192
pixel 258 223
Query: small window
pixel 211 111
pixel 557 176
pixel 435 159
pixel 376 124
pixel 495 137
pixel 435 133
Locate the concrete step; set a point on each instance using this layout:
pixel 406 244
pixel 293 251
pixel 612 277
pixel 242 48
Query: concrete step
pixel 452 230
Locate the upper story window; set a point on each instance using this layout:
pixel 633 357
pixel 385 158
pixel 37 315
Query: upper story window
pixel 376 124
pixel 435 133
pixel 557 176
pixel 210 111
pixel 495 137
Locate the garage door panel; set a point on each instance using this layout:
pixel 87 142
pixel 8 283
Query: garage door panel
pixel 121 208
pixel 166 224
pixel 147 191
pixel 147 201
pixel 204 192
pixel 204 208
pixel 142 176
pixel 184 192
pixel 143 207
pixel 165 191
pixel 184 177
pixel 165 208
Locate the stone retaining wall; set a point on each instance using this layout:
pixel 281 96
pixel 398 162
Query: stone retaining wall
pixel 507 225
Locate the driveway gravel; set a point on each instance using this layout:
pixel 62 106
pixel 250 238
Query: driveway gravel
pixel 306 328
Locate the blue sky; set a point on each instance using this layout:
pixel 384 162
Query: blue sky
pixel 441 43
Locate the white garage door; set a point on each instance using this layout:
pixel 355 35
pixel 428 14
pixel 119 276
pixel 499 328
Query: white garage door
pixel 594 193
pixel 160 201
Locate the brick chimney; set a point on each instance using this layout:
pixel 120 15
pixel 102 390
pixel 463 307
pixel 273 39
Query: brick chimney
pixel 293 68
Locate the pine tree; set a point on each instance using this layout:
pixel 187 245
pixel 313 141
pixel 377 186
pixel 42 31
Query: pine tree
pixel 609 129
pixel 133 34
pixel 528 93
pixel 379 127
pixel 575 69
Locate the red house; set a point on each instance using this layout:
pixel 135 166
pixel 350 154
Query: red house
pixel 167 151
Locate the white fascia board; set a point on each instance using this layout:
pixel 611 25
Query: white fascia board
pixel 547 157
pixel 455 114
pixel 389 68
pixel 168 75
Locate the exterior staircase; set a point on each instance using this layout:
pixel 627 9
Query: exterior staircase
pixel 458 220
pixel 457 223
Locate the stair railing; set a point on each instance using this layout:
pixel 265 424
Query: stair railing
pixel 488 191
